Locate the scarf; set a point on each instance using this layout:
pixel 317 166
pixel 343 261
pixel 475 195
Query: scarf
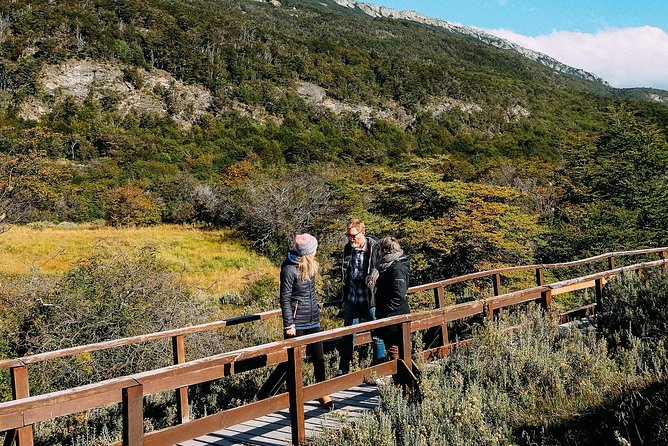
pixel 385 262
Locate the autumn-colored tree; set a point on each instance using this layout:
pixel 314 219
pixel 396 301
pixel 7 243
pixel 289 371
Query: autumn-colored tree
pixel 129 205
pixel 453 228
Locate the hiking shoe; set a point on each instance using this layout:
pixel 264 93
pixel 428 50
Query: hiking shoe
pixel 326 402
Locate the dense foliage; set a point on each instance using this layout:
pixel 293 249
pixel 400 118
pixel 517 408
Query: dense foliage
pixel 510 160
pixel 472 156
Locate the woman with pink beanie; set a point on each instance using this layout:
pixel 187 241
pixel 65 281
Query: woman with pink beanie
pixel 300 309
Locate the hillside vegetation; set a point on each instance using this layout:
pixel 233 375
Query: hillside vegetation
pixel 142 112
pixel 255 122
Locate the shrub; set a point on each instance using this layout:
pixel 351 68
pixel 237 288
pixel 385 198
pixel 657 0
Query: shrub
pixel 130 205
pixel 634 307
pixel 528 386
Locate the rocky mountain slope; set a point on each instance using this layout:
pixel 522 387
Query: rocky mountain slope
pixel 382 11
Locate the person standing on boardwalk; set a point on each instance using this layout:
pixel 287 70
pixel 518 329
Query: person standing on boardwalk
pixel 390 280
pixel 360 256
pixel 299 307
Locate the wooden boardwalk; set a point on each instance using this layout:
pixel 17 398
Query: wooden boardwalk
pixel 274 429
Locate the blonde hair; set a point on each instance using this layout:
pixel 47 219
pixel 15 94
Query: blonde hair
pixel 357 224
pixel 307 266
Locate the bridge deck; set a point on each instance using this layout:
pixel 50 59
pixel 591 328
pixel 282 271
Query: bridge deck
pixel 274 429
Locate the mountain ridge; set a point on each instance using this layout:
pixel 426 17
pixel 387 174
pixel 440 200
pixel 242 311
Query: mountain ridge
pixel 382 11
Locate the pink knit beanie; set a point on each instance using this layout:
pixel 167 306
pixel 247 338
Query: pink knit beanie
pixel 305 244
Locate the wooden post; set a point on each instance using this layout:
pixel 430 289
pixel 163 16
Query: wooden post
pixel 491 311
pixel 497 284
pixel 598 287
pixel 296 396
pixel 404 365
pixel 179 352
pixel 664 256
pixel 439 300
pixel 407 373
pixel 546 299
pixel 21 389
pixel 406 347
pixel 540 277
pixel 133 416
pixel 494 312
pixel 611 263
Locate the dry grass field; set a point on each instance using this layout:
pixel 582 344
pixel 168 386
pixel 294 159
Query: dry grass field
pixel 210 261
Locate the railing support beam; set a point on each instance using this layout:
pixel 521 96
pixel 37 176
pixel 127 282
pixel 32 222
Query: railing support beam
pixel 179 352
pixel 296 392
pixel 133 416
pixel 546 299
pixel 21 389
pixel 437 336
pixel 497 284
pixel 598 287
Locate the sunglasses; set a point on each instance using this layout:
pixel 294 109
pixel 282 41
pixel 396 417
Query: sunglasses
pixel 352 236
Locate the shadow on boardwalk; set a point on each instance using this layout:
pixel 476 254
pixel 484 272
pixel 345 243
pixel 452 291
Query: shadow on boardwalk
pixel 274 429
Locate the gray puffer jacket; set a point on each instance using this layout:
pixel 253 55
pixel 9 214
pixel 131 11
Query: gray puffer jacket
pixel 298 299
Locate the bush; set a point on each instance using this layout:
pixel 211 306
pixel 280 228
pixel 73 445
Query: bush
pixel 528 386
pixel 130 206
pixel 107 296
pixel 634 307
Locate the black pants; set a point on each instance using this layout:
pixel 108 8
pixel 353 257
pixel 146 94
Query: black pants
pixel 316 353
pixel 280 373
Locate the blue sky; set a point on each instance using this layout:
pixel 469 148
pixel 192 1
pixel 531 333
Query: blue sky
pixel 624 42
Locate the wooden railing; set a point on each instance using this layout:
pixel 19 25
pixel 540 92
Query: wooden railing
pixel 17 417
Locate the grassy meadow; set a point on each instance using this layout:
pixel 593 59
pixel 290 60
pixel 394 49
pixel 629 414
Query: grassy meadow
pixel 211 262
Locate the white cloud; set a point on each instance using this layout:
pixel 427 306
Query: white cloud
pixel 625 57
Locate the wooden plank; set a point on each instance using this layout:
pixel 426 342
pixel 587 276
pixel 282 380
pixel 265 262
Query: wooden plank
pixel 215 422
pixel 179 357
pixel 514 298
pixel 267 429
pixel 574 287
pixel 77 403
pixel 466 309
pixel 63 402
pixel 21 389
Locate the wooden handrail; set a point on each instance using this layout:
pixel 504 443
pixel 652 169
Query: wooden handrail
pixel 511 269
pixel 25 412
pixel 39 357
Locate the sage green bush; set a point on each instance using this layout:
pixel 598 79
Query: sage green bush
pixel 634 307
pixel 520 386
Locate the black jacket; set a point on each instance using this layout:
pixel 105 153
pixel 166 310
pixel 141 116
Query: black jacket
pixel 391 287
pixel 370 261
pixel 298 301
